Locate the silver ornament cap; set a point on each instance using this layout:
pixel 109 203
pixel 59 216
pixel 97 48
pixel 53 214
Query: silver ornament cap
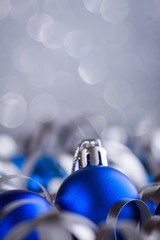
pixel 90 153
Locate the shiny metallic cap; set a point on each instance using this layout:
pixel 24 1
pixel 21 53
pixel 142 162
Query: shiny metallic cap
pixel 89 152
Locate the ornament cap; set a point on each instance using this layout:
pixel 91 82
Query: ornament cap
pixel 89 152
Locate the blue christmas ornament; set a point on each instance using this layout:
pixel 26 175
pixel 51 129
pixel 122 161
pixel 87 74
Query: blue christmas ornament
pixel 152 206
pixel 92 190
pixel 157 210
pixel 45 169
pixel 19 160
pixel 23 206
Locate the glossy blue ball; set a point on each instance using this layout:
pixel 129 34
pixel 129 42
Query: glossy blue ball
pixel 93 190
pixel 24 212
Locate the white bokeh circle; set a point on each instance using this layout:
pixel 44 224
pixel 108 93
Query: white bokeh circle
pixel 13 110
pixel 41 27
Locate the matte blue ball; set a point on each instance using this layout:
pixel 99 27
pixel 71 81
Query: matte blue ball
pixel 93 190
pixel 25 212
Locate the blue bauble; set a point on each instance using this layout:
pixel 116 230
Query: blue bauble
pixel 93 190
pixel 19 160
pixel 45 169
pixel 152 206
pixel 35 206
pixel 157 210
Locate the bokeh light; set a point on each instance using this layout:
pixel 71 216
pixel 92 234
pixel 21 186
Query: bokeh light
pixel 8 147
pixel 114 11
pixel 24 58
pixel 57 38
pixel 77 43
pixel 13 110
pixel 93 6
pixel 41 27
pixel 93 69
pixel 22 10
pixel 5 8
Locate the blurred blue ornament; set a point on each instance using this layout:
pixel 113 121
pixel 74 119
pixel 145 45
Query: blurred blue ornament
pixel 19 160
pixel 45 169
pixel 152 206
pixel 20 205
pixel 157 211
pixel 92 190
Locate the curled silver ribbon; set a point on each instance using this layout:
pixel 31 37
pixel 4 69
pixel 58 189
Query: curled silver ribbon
pixel 119 205
pixel 112 218
pixel 68 223
pixel 9 177
pixel 150 192
pixel 125 229
pixel 151 229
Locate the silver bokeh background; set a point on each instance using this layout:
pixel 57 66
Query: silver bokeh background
pixel 61 59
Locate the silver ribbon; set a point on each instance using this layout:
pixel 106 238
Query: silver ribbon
pixel 61 226
pixel 13 176
pixel 112 218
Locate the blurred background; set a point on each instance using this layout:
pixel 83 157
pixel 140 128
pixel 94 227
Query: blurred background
pixel 60 60
pixel 78 69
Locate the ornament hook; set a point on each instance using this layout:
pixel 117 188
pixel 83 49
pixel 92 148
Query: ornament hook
pixel 89 152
